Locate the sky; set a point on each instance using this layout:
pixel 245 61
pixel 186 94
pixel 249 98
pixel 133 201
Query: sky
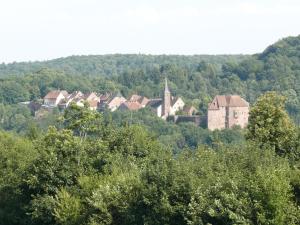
pixel 45 29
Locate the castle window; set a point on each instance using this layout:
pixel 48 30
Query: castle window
pixel 235 114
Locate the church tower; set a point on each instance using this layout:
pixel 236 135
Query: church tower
pixel 166 104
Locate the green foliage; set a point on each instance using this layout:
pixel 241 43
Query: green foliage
pixel 270 125
pixel 243 187
pixel 15 117
pixel 68 208
pixel 82 120
pixel 56 163
pixel 16 155
pixel 125 176
pixel 176 136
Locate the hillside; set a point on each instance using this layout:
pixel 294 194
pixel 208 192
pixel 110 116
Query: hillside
pixel 109 65
pixel 196 78
pixel 277 68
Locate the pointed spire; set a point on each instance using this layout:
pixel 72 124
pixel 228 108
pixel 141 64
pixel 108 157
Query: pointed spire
pixel 166 85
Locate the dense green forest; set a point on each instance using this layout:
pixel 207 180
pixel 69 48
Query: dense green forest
pixel 84 167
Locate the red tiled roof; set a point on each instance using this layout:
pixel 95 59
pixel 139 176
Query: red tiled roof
pixel 55 94
pixel 134 98
pixel 228 101
pixel 237 101
pixel 143 101
pixel 131 105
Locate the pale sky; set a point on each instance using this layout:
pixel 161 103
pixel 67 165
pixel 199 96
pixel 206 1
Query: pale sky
pixel 46 29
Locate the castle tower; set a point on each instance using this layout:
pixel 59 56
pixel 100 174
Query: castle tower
pixel 166 104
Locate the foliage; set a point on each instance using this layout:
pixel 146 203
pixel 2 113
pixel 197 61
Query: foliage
pixel 270 125
pixel 16 156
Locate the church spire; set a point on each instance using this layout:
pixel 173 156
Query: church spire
pixel 166 85
pixel 166 103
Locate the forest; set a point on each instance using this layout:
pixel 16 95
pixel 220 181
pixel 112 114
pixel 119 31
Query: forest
pixel 84 167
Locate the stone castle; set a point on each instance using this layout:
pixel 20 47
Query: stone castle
pixel 226 111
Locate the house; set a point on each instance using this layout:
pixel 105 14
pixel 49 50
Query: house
pixel 92 100
pixel 226 111
pixel 105 97
pixel 177 104
pixel 74 95
pixel 130 105
pixel 135 98
pixel 91 96
pixel 189 110
pixel 53 98
pixel 140 99
pixel 156 106
pixel 112 102
pixel 71 97
pixel 143 101
pixel 93 104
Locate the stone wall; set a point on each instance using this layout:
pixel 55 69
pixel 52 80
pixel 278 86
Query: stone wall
pixel 238 116
pixel 216 118
pixel 192 119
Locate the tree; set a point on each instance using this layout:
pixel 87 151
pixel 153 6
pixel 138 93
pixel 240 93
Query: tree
pixel 82 120
pixel 16 155
pixel 56 166
pixel 270 125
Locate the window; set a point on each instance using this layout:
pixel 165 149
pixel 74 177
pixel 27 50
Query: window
pixel 235 114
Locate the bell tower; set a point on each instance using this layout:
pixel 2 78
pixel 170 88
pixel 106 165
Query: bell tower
pixel 166 106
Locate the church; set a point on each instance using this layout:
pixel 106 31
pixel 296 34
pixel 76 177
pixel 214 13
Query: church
pixel 167 105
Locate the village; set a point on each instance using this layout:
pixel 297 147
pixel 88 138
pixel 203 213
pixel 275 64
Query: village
pixel 225 111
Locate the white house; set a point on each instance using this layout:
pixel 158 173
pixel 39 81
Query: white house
pixel 53 98
pixel 176 105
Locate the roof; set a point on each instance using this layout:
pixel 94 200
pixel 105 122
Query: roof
pixel 189 109
pixel 154 103
pixel 54 94
pixel 116 98
pixel 90 96
pixel 135 98
pixel 75 94
pixel 131 105
pixel 237 101
pixel 118 94
pixel 143 101
pixel 138 98
pixel 104 97
pixel 228 101
pixel 175 99
pixel 65 93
